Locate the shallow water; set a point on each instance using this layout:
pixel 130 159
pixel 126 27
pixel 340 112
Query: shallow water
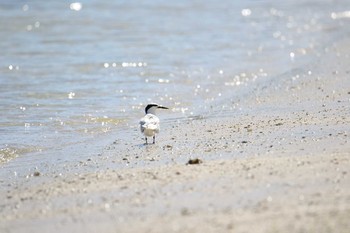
pixel 71 74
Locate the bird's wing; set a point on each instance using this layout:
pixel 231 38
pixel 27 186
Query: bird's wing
pixel 149 121
pixel 142 124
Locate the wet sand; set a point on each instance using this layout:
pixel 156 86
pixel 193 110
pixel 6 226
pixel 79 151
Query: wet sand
pixel 280 163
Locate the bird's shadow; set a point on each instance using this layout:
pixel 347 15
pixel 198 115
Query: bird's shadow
pixel 145 145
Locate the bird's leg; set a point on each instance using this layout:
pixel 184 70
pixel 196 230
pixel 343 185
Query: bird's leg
pixel 154 139
pixel 146 140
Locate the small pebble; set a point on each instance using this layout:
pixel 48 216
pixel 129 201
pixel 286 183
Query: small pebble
pixel 194 161
pixel 36 173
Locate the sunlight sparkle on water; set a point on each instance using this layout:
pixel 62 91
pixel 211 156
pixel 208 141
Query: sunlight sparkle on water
pixel 125 64
pixel 161 80
pixel 25 7
pixel 292 56
pixel 71 95
pixel 246 12
pixel 76 6
pixel 276 34
pixel 276 12
pixel 340 15
pixel 12 67
pixel 133 64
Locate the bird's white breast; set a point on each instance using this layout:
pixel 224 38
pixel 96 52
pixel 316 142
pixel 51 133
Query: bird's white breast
pixel 149 125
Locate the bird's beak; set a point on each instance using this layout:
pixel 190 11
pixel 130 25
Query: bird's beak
pixel 163 107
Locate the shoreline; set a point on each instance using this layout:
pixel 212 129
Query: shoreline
pixel 277 165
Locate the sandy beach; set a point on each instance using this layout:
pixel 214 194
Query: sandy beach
pixel 279 163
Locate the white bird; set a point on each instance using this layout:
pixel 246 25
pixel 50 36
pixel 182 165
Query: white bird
pixel 149 124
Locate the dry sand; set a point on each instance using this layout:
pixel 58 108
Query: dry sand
pixel 279 164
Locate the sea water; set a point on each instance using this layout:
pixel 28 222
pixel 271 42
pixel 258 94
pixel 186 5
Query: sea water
pixel 73 73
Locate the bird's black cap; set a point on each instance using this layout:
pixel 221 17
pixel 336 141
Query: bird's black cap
pixel 154 105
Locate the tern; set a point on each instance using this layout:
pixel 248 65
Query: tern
pixel 149 124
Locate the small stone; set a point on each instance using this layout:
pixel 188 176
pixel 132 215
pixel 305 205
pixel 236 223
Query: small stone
pixel 194 161
pixel 169 147
pixel 185 212
pixel 36 173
